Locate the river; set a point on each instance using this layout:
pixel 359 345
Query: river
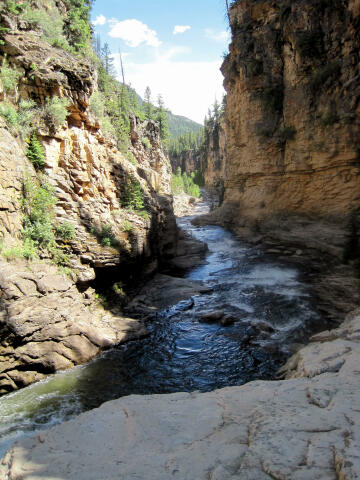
pixel 270 304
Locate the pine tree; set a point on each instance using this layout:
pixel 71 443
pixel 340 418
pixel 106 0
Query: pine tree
pixel 148 107
pixel 107 59
pixel 35 152
pixel 161 118
pixel 97 45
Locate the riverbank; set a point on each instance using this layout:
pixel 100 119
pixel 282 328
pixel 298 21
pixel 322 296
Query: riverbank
pixel 315 247
pixel 305 427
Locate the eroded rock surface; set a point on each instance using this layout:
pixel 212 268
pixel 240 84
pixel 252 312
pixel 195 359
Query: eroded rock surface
pixel 46 324
pixel 292 117
pixel 305 427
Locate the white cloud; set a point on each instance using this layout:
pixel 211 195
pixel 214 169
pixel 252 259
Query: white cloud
pixel 219 36
pixel 188 88
pixel 100 20
pixel 180 29
pixel 134 33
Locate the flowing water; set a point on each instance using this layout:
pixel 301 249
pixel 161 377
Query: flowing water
pixel 272 310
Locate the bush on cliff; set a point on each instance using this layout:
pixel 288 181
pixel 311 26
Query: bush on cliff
pixel 65 231
pixel 50 22
pixel 8 76
pixel 55 110
pixel 19 118
pixel 133 197
pixel 71 32
pixel 35 152
pixel 38 203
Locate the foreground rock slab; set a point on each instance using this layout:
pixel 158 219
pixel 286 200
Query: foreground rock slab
pixel 304 428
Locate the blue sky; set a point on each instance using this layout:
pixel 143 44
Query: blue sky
pixel 174 47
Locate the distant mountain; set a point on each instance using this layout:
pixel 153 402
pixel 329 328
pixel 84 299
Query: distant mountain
pixel 178 125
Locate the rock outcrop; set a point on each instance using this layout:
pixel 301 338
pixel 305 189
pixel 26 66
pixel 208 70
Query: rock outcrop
pixel 214 162
pixel 292 114
pixel 305 427
pixel 48 325
pixel 189 161
pixel 50 322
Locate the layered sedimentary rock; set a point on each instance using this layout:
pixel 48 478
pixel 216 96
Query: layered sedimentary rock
pixel 305 427
pixel 214 162
pixel 188 161
pixel 292 115
pixel 48 321
pixel 46 324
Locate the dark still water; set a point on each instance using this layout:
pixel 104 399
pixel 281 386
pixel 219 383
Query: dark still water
pixel 271 309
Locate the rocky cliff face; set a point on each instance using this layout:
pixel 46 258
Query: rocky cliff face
pixel 46 323
pixel 188 161
pixel 214 162
pixel 292 117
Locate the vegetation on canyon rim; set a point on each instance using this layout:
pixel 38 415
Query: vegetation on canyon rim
pixel 40 228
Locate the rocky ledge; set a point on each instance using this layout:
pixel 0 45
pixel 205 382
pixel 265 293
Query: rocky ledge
pixel 304 427
pixel 46 324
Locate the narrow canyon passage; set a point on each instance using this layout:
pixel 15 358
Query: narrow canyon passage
pixel 268 309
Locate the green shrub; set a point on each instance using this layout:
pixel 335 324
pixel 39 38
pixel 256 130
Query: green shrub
pixel 66 231
pixel 319 77
pixel 9 77
pixel 59 257
pixel 127 226
pixel 28 250
pixel 50 21
pixel 105 235
pixel 130 157
pixel 65 270
pixel 272 98
pixel 9 112
pixel 3 31
pixel 106 242
pixel 107 126
pixel 143 214
pixel 19 119
pixel 146 142
pixel 14 7
pixel 26 112
pixel 133 197
pixel 38 202
pixel 55 110
pixel 60 43
pixel 97 104
pixel 266 132
pixel 35 152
